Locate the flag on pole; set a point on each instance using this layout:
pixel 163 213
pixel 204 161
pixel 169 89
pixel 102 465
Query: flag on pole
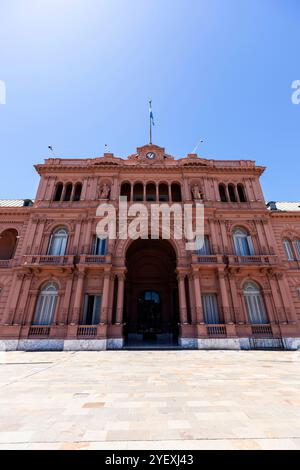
pixel 151 113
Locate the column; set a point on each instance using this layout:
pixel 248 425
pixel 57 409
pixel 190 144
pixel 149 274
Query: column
pixel 192 298
pixel 182 299
pixel 63 316
pixel 12 300
pixel 224 237
pixel 235 300
pixel 224 297
pixel 214 243
pixel 170 192
pixel 78 299
pixel 105 297
pixel 120 298
pixel 157 192
pixel 280 313
pixel 87 238
pixel 76 238
pixel 198 298
pixel 39 236
pixel 285 293
pixel 23 299
pixel 261 238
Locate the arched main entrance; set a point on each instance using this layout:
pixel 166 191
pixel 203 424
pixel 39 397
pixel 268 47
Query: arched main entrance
pixel 151 312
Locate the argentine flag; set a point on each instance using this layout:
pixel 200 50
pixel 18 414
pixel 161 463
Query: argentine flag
pixel 151 113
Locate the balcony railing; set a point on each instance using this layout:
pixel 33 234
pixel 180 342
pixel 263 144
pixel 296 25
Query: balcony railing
pixel 216 331
pixel 262 330
pixel 92 259
pixel 86 331
pixel 5 263
pixel 41 331
pixel 48 260
pixel 253 260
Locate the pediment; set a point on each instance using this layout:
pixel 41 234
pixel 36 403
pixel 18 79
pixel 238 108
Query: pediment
pixel 150 154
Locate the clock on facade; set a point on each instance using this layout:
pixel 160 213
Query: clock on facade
pixel 150 155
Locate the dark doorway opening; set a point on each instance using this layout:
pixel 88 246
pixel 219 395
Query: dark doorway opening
pixel 151 312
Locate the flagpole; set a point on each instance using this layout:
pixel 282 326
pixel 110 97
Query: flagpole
pixel 150 123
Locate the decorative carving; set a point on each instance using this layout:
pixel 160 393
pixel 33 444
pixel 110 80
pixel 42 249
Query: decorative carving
pixel 197 195
pixel 104 192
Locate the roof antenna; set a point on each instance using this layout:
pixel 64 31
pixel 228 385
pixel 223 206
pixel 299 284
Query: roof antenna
pixel 51 150
pixel 196 148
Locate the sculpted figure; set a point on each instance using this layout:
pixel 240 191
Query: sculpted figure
pixel 105 192
pixel 196 192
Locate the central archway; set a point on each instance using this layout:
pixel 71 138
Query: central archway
pixel 151 311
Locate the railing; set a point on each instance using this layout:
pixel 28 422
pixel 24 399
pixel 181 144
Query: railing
pixel 86 331
pixel 253 260
pixel 92 259
pixel 39 331
pixel 262 330
pixel 48 260
pixel 207 259
pixel 216 330
pixel 5 263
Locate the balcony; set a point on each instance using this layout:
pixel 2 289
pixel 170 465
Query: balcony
pixel 216 331
pixel 47 260
pixel 5 263
pixel 207 259
pixel 94 259
pixel 39 331
pixel 86 331
pixel 262 330
pixel 255 260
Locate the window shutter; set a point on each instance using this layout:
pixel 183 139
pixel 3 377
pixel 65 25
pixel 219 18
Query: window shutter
pixel 250 245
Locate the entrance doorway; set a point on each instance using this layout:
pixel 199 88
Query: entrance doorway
pixel 151 311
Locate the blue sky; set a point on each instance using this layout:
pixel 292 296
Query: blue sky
pixel 79 74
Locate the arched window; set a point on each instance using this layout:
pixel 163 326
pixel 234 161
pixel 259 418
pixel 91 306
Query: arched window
pixel 77 192
pixel 138 192
pixel 58 192
pixel 163 192
pixel 242 242
pixel 222 192
pixel 46 305
pixel 231 192
pixel 58 242
pixel 126 190
pixel 255 305
pixel 288 249
pixel 241 193
pixel 8 244
pixel 297 248
pixel 151 192
pixel 68 192
pixel 176 192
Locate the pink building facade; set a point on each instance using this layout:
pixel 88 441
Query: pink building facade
pixel 63 288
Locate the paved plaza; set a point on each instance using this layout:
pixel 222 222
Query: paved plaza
pixel 150 400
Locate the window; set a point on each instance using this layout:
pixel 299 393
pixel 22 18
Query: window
pixel 297 248
pixel 231 192
pixel 77 192
pixel 222 192
pixel 163 192
pixel 68 192
pixel 205 248
pixel 241 193
pixel 288 249
pixel 176 192
pixel 150 192
pixel 58 192
pixel 126 190
pixel 255 304
pixel 242 243
pixel 58 243
pixel 8 244
pixel 91 311
pixel 99 246
pixel 210 309
pixel 138 192
pixel 46 305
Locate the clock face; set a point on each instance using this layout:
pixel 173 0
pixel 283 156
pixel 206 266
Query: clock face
pixel 150 155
